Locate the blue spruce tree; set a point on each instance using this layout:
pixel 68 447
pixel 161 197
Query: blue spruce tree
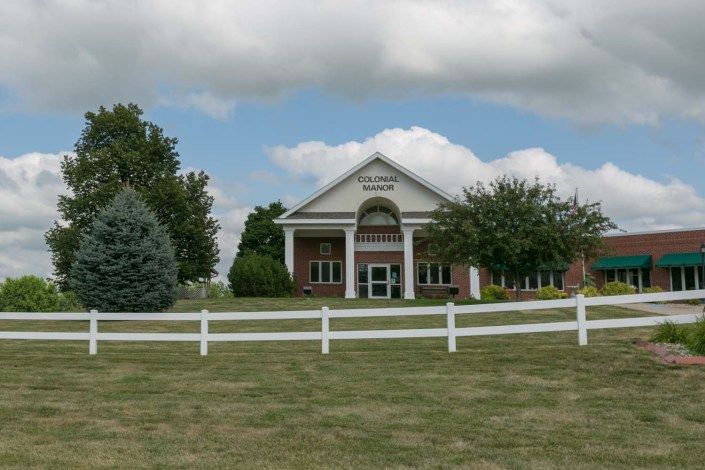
pixel 126 262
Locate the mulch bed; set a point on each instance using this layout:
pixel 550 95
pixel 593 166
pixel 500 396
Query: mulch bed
pixel 670 354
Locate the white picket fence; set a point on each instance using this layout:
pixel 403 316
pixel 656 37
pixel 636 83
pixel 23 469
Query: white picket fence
pixel 581 324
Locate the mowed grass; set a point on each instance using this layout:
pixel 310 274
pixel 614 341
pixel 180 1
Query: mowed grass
pixel 530 400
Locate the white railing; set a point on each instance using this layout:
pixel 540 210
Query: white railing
pixel 325 335
pixel 379 238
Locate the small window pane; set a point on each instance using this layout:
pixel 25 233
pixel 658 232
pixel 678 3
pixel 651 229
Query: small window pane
pixel 423 273
pixel 676 280
pixel 689 277
pixel 315 271
pixel 395 274
pixel 362 273
pixel 325 271
pixel 363 294
pixel 325 248
pixel 622 275
pixel 435 274
pixel 545 278
pixel 445 274
pixel 336 271
pixel 496 278
pixel 533 281
pixel 558 280
pixel 609 275
pixel 508 281
pixel 645 278
pixel 700 277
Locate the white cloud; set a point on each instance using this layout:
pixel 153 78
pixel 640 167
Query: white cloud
pixel 597 61
pixel 634 201
pixel 29 185
pixel 29 188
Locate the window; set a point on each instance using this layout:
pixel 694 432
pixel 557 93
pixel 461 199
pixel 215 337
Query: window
pixel 432 249
pixel 325 248
pixel 637 277
pixel 326 272
pixel 378 215
pixel 434 273
pixel 532 282
pixel 687 278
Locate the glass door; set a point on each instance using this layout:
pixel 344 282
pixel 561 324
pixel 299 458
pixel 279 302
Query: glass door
pixel 379 281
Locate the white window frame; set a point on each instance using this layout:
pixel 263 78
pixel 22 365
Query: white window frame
pixel 525 283
pixel 639 286
pixel 682 268
pixel 320 270
pixel 330 248
pixel 428 273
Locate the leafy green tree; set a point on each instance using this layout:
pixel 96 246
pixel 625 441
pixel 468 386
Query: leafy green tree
pixel 261 235
pixel 517 225
pixel 255 275
pixel 29 294
pixel 117 148
pixel 126 262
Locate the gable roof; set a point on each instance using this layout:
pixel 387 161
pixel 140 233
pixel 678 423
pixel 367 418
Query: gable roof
pixel 365 162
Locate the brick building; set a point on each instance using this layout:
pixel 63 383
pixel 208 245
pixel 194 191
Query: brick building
pixel 362 236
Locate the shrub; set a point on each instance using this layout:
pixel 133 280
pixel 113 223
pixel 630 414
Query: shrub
pixel 126 263
pixel 219 290
pixel 29 294
pixel 589 291
pixel 550 293
pixel 494 292
pixel 652 290
pixel 589 281
pixel 691 301
pixel 669 332
pixel 617 288
pixel 254 275
pixel 695 340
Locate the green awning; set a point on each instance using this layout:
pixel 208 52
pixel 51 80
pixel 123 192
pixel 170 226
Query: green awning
pixel 623 262
pixel 680 259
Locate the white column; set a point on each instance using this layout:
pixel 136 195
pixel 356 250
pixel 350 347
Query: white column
pixel 289 248
pixel 350 263
pixel 408 263
pixel 474 283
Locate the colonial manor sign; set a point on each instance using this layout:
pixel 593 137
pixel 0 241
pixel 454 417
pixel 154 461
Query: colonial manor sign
pixel 366 180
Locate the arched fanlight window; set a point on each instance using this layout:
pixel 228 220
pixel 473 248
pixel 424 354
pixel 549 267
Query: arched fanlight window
pixel 378 215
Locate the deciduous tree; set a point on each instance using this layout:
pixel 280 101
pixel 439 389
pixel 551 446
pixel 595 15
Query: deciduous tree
pixel 518 226
pixel 261 235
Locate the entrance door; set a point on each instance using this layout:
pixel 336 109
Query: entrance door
pixel 379 281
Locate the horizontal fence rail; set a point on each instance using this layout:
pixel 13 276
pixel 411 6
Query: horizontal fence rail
pixel 325 335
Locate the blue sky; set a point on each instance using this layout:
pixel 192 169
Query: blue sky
pixel 275 98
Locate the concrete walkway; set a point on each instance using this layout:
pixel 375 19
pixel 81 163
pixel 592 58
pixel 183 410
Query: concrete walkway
pixel 665 309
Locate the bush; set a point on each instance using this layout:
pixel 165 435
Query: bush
pixel 550 293
pixel 691 301
pixel 219 290
pixel 669 332
pixel 126 263
pixel 29 294
pixel 589 291
pixel 253 275
pixel 494 292
pixel 589 281
pixel 695 340
pixel 652 290
pixel 617 288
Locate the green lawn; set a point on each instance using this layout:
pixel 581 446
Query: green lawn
pixel 535 400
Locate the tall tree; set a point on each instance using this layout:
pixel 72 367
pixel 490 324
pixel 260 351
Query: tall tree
pixel 117 148
pixel 261 235
pixel 126 262
pixel 517 225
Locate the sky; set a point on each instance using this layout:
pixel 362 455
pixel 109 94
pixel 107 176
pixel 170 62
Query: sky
pixel 273 99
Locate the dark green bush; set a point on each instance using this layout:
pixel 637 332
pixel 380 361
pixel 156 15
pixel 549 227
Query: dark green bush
pixel 669 332
pixel 219 290
pixel 253 275
pixel 617 288
pixel 494 292
pixel 652 290
pixel 550 293
pixel 30 294
pixel 695 340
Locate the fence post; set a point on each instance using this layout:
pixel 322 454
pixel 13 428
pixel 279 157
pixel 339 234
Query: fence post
pixel 204 332
pixel 582 327
pixel 93 332
pixel 325 328
pixel 450 313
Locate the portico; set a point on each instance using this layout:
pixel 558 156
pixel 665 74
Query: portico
pixel 362 235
